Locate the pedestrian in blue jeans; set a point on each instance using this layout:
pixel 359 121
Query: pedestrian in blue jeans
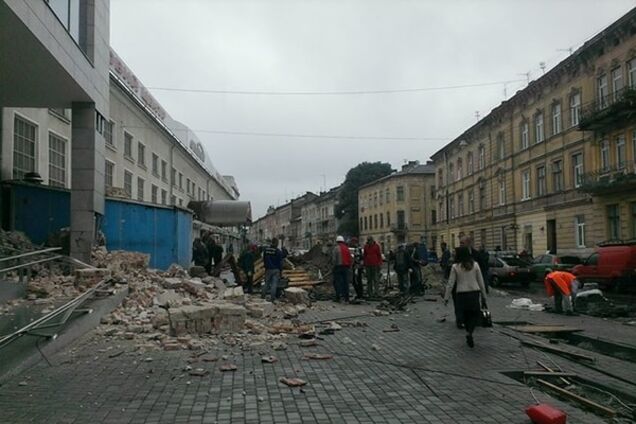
pixel 273 261
pixel 342 262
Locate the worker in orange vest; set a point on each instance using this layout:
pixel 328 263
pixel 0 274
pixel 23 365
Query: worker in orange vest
pixel 563 287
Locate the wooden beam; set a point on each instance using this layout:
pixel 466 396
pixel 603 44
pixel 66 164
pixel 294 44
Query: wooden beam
pixel 547 368
pixel 556 350
pixel 548 373
pixel 545 328
pixel 573 396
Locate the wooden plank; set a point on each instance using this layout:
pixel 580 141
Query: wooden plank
pixel 573 396
pixel 548 373
pixel 558 351
pixel 547 368
pixel 544 328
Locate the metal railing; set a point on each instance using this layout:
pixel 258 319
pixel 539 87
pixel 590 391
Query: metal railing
pixel 605 107
pixel 23 262
pixel 612 177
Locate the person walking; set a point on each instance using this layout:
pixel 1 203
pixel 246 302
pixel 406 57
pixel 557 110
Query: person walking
pixel 562 286
pixel 372 259
pixel 342 262
pixel 402 265
pixel 273 262
pixel 484 264
pixel 445 260
pixel 466 277
pixel 246 262
pixel 417 261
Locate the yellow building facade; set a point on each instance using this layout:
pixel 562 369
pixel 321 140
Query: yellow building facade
pixel 399 208
pixel 554 167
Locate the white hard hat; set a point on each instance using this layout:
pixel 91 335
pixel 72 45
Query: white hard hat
pixel 340 239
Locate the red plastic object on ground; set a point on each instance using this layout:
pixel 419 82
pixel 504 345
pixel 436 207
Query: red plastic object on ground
pixel 545 414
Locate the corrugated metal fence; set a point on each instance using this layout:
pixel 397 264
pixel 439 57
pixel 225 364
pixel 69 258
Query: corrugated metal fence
pixel 165 233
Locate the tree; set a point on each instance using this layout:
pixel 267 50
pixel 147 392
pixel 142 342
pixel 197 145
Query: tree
pixel 347 207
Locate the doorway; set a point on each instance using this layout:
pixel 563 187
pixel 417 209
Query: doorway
pixel 552 235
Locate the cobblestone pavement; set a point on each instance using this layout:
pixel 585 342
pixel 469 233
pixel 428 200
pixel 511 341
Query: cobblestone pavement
pixel 423 373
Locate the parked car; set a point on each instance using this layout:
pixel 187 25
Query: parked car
pixel 612 266
pixel 508 269
pixel 542 265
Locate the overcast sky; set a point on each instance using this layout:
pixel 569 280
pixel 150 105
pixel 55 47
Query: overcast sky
pixel 327 46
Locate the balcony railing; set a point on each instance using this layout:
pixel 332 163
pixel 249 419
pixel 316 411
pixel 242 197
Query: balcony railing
pixel 609 180
pixel 613 109
pixel 399 228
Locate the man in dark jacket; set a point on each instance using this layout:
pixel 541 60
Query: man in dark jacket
pixel 445 260
pixel 401 265
pixel 416 261
pixel 199 253
pixel 273 261
pixel 246 262
pixel 357 268
pixel 484 263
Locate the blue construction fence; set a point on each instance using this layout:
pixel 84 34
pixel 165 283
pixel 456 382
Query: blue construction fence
pixel 165 233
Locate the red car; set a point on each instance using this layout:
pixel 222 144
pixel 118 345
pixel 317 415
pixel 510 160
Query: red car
pixel 612 266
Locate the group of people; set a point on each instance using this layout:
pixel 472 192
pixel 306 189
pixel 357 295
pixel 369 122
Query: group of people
pixel 351 262
pixel 207 253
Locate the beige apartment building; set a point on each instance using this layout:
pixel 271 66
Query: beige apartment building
pixel 552 168
pixel 400 207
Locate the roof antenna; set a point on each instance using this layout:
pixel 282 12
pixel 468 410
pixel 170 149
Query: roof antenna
pixel 542 66
pixel 570 50
pixel 527 75
pixel 477 114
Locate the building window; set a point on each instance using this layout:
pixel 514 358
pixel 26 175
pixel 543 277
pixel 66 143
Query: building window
pixel 180 202
pixel 180 181
pixel 601 91
pixel 155 165
pixel 617 82
pixel 108 133
pixel 557 175
pixel 140 189
pixel 164 197
pixel 502 192
pixel 631 72
pixel 501 147
pixel 361 223
pixel 153 193
pixel 141 155
pixel 620 151
pixel 128 183
pixel 577 166
pixel 400 194
pixel 366 226
pixel 387 195
pixel 482 197
pixel 109 171
pixel 605 159
pixel 524 135
pixel 613 222
pixel 57 161
pixel 579 223
pixel 173 177
pixel 128 143
pixel 482 157
pixel 460 169
pixel 164 171
pixel 575 109
pixel 451 172
pixel 68 13
pixel 460 204
pixel 388 219
pixel 633 211
pixel 24 142
pixel 525 185
pixel 541 181
pixel 539 135
pixel 451 207
pixel 173 200
pixel 471 201
pixel 401 220
pixel 470 165
pixel 381 220
pixel 433 216
pixel 375 221
pixel 556 118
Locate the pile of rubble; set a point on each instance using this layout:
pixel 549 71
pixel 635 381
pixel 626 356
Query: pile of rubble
pixel 14 241
pixel 171 310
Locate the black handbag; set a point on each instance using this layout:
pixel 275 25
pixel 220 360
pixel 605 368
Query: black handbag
pixel 486 318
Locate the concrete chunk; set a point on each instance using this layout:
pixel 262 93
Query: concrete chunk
pixel 259 309
pixel 90 276
pixel 296 295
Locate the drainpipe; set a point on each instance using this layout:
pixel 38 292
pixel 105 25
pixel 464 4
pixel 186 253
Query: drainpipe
pixel 171 182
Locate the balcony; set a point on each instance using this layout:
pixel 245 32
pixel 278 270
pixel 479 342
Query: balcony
pixel 400 228
pixel 611 111
pixel 610 180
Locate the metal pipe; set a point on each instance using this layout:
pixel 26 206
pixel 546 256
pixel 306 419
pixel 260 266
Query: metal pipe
pixel 12 268
pixel 35 252
pixel 64 308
